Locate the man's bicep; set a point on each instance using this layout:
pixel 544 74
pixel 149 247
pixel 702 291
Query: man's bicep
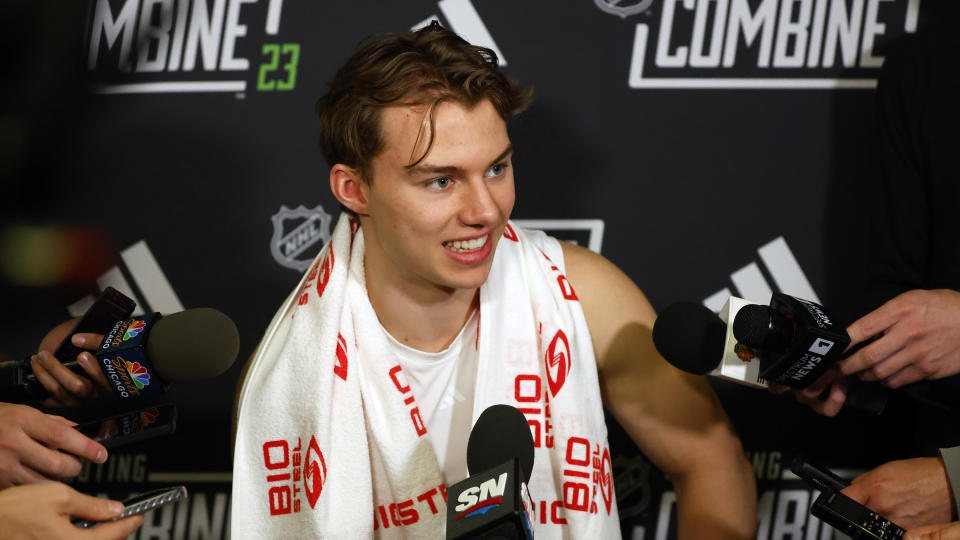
pixel 669 414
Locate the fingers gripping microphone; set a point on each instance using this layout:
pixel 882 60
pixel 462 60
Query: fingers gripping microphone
pixel 797 341
pixel 791 342
pixel 141 355
pixel 494 501
pixel 795 338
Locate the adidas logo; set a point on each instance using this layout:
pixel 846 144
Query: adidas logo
pixel 751 284
pixel 139 277
pixel 463 19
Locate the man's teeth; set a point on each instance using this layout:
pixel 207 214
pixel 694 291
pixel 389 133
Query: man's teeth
pixel 467 245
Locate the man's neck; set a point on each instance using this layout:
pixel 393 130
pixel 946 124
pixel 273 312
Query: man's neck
pixel 422 316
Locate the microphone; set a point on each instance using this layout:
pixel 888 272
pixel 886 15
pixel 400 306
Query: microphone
pixel 762 343
pixel 795 338
pixel 494 502
pixel 140 356
pixel 694 339
pixel 797 341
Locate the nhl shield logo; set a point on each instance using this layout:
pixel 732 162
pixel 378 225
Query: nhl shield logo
pixel 298 234
pixel 623 9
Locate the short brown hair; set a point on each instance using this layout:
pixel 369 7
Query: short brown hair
pixel 422 67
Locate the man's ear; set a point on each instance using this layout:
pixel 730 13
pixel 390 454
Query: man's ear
pixel 348 187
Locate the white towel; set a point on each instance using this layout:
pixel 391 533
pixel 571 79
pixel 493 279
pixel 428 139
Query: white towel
pixel 330 443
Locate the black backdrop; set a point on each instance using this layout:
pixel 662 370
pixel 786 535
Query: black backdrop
pixel 690 165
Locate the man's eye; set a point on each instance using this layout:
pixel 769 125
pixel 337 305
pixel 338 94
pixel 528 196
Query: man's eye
pixel 497 169
pixel 440 183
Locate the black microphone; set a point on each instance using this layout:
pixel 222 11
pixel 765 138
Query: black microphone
pixel 494 502
pixel 140 356
pixel 797 341
pixel 761 344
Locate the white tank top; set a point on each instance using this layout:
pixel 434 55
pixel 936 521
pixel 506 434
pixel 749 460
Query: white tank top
pixel 442 384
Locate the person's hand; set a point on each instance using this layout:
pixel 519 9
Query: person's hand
pixel 67 388
pixel 910 492
pixel 921 339
pixel 942 531
pixel 832 379
pixel 30 444
pixel 43 511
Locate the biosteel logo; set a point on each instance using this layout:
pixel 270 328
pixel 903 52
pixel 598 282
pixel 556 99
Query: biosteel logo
pixel 558 362
pixel 314 472
pixel 134 330
pixel 606 484
pixel 478 500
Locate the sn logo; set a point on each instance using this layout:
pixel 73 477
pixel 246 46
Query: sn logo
pixel 474 496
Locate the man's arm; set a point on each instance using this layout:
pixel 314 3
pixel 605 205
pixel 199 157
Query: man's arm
pixel 674 417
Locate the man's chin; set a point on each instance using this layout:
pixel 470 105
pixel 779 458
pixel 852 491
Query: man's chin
pixel 471 279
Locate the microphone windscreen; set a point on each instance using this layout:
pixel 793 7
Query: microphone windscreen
pixel 192 345
pixel 690 337
pixel 500 433
pixel 752 326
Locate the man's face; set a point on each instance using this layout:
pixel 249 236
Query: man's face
pixel 437 224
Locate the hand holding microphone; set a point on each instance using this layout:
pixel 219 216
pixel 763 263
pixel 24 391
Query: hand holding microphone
pixel 792 342
pixel 141 355
pixel 66 387
pixel 920 339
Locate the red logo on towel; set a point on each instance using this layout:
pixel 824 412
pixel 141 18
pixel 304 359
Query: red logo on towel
pixel 606 483
pixel 341 368
pixel 326 268
pixel 510 234
pixel 558 362
pixel 283 462
pixel 314 472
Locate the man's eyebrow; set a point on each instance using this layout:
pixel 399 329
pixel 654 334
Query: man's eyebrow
pixel 426 168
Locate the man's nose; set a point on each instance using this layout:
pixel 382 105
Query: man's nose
pixel 479 207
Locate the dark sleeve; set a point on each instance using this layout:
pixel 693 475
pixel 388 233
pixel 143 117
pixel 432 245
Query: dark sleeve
pixel 899 229
pixel 951 462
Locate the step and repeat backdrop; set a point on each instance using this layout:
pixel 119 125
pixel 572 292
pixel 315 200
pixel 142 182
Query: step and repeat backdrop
pixel 709 148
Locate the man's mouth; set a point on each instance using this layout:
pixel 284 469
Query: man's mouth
pixel 466 246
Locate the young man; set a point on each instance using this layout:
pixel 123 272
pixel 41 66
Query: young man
pixel 427 307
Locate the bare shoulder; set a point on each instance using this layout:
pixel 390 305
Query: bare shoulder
pixel 611 301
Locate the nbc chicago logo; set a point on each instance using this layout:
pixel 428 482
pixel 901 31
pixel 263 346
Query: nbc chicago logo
pixel 138 374
pixel 134 330
pixel 148 416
